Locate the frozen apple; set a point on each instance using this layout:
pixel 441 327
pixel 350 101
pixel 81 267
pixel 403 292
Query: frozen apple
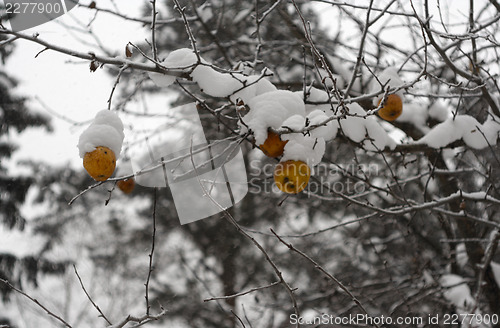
pixel 392 108
pixel 273 146
pixel 291 176
pixel 100 163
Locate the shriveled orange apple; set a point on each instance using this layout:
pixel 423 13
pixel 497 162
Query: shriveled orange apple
pixel 292 176
pixel 127 185
pixel 100 163
pixel 273 146
pixel 393 107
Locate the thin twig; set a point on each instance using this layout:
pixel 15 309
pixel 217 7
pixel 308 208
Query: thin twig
pixel 361 49
pixel 150 267
pixel 90 298
pixel 50 313
pixel 140 320
pixel 101 59
pixel 153 30
pixel 242 293
pixel 192 39
pixel 123 69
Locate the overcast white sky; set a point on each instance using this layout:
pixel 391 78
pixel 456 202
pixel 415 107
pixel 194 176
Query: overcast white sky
pixel 66 84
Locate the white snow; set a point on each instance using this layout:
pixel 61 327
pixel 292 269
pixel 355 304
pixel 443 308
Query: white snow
pixel 295 123
pixel 303 148
pixel 214 83
pixel 106 130
pixel 310 147
pixel 491 129
pixel 183 58
pixel 271 109
pixel 307 148
pixel 107 117
pixel 217 84
pixel 390 78
pixel 242 14
pixel 256 85
pixel 318 99
pixel 328 131
pixel 456 290
pixel 316 95
pixel 378 139
pixel 439 111
pixel 354 126
pixel 416 114
pixel 441 135
pixel 463 127
pixel 161 80
pixel 360 127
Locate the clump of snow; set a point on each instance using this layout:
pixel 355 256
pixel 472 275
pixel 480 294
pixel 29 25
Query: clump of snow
pixel 183 58
pixel 361 128
pixel 303 148
pixel 416 114
pixel 456 290
pixel 214 83
pixel 317 98
pixel 107 117
pixel 237 86
pixel 328 131
pixel 309 146
pixel 161 80
pixel 270 110
pixel 388 77
pixel 316 95
pixel 377 137
pixel 255 85
pixel 465 127
pixel 295 123
pixel 353 125
pixel 441 135
pixel 491 129
pixel 106 130
pixel 439 111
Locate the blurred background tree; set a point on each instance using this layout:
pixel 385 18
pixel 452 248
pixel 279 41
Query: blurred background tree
pixel 15 117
